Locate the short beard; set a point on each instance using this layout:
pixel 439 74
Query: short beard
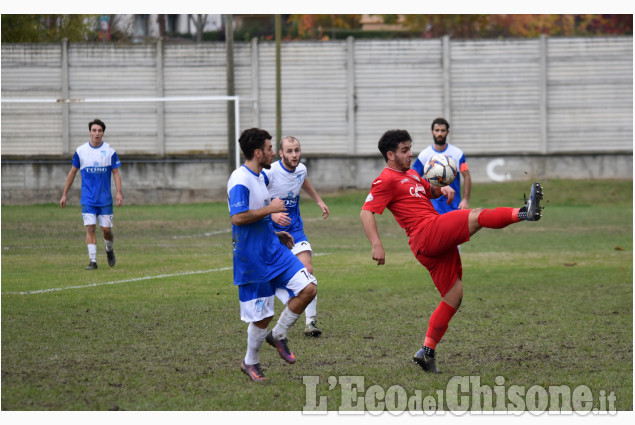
pixel 286 163
pixel 440 143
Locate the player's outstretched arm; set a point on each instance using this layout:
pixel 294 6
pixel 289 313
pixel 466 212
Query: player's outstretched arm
pixel 370 228
pixel 308 188
pixel 69 181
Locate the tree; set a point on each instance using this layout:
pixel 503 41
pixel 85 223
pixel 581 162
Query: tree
pixel 161 23
pixel 48 28
pixel 199 23
pixel 318 26
pixel 457 26
pixel 521 25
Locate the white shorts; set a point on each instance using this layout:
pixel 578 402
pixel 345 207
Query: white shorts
pixel 301 247
pixel 257 299
pixel 91 219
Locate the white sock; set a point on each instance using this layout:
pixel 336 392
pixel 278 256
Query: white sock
pixel 255 337
pixel 285 321
pixel 109 244
pixel 92 252
pixel 311 311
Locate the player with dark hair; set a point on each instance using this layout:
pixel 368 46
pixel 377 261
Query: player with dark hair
pixel 440 129
pixel 263 264
pixel 98 163
pixel 284 180
pixel 433 238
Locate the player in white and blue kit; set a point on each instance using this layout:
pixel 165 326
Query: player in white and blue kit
pixel 284 180
pixel 98 163
pixel 263 264
pixel 440 130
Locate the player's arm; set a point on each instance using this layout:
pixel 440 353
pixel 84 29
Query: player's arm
pixel 467 188
pixel 437 192
pixel 286 239
pixel 69 181
pixel 117 177
pixel 370 228
pixel 281 219
pixel 308 188
pixel 251 216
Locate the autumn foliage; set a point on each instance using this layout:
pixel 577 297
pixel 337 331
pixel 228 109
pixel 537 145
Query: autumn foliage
pixel 469 26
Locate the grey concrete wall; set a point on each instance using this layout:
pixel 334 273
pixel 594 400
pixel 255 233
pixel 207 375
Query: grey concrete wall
pixel 506 97
pixel 186 181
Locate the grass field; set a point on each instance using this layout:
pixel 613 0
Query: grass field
pixel 547 303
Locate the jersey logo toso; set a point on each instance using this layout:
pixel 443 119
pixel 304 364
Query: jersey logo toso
pixel 96 170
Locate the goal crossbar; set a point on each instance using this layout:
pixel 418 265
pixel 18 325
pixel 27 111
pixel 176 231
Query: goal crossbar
pixel 235 99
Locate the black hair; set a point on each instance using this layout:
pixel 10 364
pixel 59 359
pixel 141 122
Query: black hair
pixel 440 121
pixel 390 140
pixel 252 139
pixel 98 122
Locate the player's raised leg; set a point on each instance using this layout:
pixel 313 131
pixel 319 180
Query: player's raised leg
pixel 296 293
pixel 497 218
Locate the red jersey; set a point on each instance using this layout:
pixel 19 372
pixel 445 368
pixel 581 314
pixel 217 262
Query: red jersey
pixel 405 194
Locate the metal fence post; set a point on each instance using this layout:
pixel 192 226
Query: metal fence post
pixel 350 91
pixel 544 125
pixel 66 122
pixel 255 81
pixel 160 105
pixel 447 101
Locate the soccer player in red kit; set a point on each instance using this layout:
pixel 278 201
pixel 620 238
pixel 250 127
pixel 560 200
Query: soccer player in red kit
pixel 433 238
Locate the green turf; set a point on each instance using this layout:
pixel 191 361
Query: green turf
pixel 547 304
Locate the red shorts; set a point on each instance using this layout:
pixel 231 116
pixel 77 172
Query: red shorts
pixel 435 246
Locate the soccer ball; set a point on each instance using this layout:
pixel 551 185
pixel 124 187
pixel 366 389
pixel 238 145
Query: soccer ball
pixel 440 170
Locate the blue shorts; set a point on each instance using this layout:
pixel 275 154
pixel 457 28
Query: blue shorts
pixel 257 299
pixel 89 209
pixel 93 215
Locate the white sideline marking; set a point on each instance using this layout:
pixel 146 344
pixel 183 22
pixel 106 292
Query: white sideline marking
pixel 137 279
pixel 214 233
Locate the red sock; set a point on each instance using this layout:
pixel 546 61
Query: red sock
pixel 498 217
pixel 438 324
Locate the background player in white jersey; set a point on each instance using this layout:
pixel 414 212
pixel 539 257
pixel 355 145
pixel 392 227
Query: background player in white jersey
pixel 98 163
pixel 440 130
pixel 263 265
pixel 284 180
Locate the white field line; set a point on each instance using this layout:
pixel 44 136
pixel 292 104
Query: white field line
pixel 214 233
pixel 137 279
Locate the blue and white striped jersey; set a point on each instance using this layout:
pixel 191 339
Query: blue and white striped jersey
pixel 440 204
pixel 286 185
pixel 96 165
pixel 259 256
